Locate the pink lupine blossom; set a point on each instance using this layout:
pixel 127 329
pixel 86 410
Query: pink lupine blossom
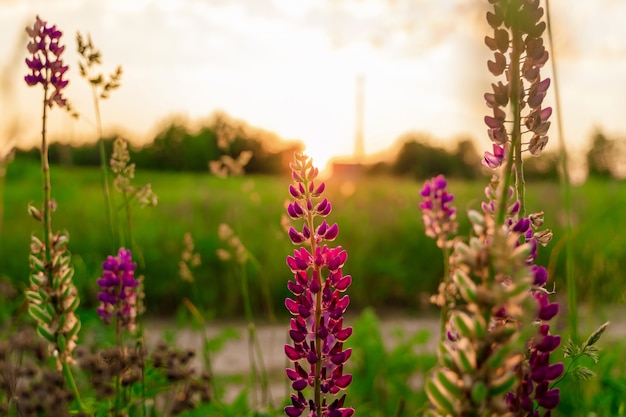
pixel 317 306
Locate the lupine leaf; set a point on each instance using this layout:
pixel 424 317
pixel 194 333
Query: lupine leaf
pixel 445 356
pixel 501 385
pixel 466 356
pixel 479 392
pixel 74 305
pixel 74 331
pixel 35 280
pixel 449 381
pixel 67 274
pixel 438 399
pixel 62 342
pixel 497 358
pixel 56 283
pixel 466 286
pixel 45 334
pixel 38 314
pixel 34 296
pixel 50 310
pixel 463 323
pixel 37 263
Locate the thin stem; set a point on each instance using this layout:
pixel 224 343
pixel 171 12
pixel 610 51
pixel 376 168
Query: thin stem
pixel 104 168
pixel 318 310
pixel 45 169
pixel 566 194
pixel 514 155
pixel 253 343
pixel 69 379
pixel 446 279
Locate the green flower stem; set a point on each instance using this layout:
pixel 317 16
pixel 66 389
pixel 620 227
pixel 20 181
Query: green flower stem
pixel 104 167
pixel 258 370
pixel 567 199
pixel 45 169
pixel 514 155
pixel 69 379
pixel 446 280
pixel 318 310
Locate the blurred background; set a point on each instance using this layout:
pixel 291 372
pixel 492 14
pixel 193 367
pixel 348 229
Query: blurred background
pixel 382 93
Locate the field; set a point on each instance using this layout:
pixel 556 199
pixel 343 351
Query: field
pixel 393 264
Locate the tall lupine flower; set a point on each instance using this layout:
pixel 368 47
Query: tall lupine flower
pixel 118 297
pixel 519 55
pixel 52 295
pixel 317 328
pixel 46 65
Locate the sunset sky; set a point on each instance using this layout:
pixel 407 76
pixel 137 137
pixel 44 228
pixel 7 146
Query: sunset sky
pixel 290 66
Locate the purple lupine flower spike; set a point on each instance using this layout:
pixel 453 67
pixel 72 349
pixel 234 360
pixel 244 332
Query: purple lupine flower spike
pixel 119 296
pixel 438 215
pixel 46 64
pixel 316 330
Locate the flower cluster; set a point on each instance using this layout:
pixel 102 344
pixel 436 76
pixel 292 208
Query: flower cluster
pixel 318 306
pixel 438 216
pixel 537 373
pixel 52 296
pixel 517 30
pixel 478 361
pixel 125 172
pixel 119 296
pixel 46 64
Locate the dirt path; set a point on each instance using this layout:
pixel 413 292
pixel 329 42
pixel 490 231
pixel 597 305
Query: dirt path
pixel 234 358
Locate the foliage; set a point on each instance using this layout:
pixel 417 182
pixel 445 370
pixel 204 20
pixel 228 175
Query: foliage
pixel 385 255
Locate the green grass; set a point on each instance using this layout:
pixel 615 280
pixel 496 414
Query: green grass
pixel 393 264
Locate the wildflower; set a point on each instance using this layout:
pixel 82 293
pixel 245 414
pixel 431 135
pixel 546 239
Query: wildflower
pixel 519 54
pixel 46 64
pixel 119 295
pixel 53 297
pixel 495 159
pixel 438 216
pixel 125 172
pixel 316 329
pixel 189 259
pixel 478 361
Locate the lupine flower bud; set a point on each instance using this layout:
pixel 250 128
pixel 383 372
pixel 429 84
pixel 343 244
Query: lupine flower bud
pixel 119 295
pixel 317 328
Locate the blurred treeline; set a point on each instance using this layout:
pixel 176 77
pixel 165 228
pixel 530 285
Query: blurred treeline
pixel 180 147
